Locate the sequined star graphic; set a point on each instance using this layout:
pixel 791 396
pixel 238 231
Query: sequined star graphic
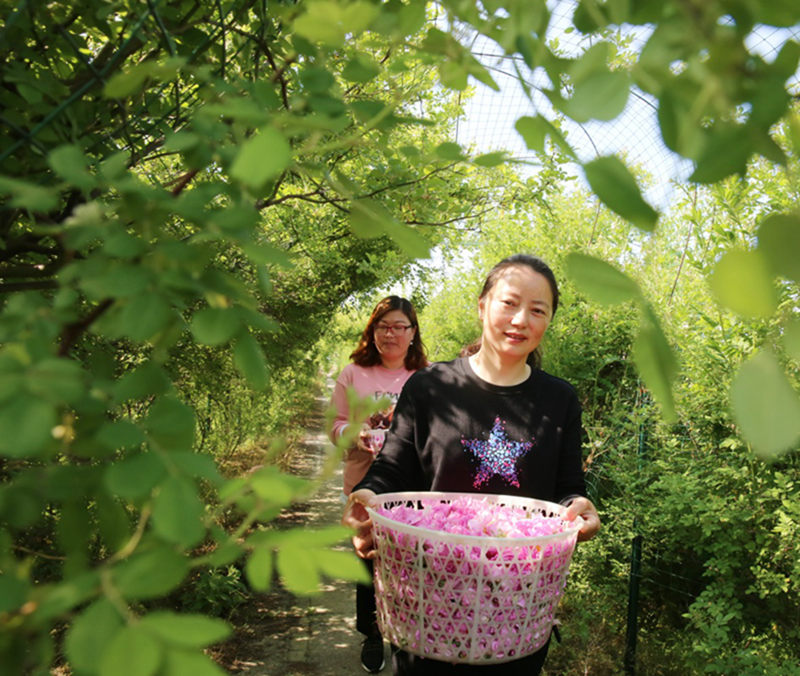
pixel 498 455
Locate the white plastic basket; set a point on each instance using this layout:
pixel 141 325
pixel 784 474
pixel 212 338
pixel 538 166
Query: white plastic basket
pixel 463 598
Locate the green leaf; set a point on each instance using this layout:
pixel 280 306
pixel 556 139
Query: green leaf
pixel 316 80
pixel 779 242
pixel 171 424
pixel 480 73
pixel 118 281
pixel 272 485
pixel 374 113
pixel 224 554
pixel 74 531
pixel 534 131
pixel 64 596
pixel 316 538
pixel 150 574
pixel 147 380
pixel 247 111
pixel 266 254
pixel 791 339
pixel 213 326
pixel 133 652
pixel 656 363
pixel 121 244
pixel 196 465
pixel 616 187
pixel 330 22
pixel 237 219
pixel 13 592
pixel 766 406
pixel 145 316
pixel 190 663
pixel 601 97
pixel 262 157
pixel 28 196
pixel 249 360
pixel 450 151
pixel 724 154
pixel 781 13
pixel 298 571
pixel 26 425
pixel 71 164
pixel 179 141
pixel 120 435
pixel 341 565
pixel 410 241
pixel 115 167
pixel 63 483
pixel 600 280
pixel 453 75
pixel 185 630
pixel 593 62
pixel 369 218
pixel 741 281
pixel 113 522
pixel 360 69
pixel 178 512
pixel 60 381
pixel 491 159
pixel 135 476
pixel 259 569
pixel 124 84
pixel 90 635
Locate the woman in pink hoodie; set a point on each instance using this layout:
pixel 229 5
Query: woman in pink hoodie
pixel 390 350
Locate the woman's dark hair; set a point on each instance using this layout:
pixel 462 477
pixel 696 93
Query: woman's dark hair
pixel 517 261
pixel 366 354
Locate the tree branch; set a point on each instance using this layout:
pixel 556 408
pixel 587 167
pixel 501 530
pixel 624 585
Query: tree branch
pixel 73 331
pixel 12 287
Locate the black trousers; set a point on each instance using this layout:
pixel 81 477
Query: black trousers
pixel 406 664
pixel 366 614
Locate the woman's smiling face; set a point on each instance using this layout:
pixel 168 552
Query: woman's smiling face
pixel 516 313
pixel 393 344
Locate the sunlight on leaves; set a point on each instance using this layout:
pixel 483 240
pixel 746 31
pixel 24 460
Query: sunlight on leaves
pixel 600 280
pixel 132 652
pixel 187 630
pixel 616 187
pixel 741 282
pixel 656 363
pixel 791 339
pixel 93 629
pixel 779 241
pixel 261 158
pixel 298 571
pixel 766 406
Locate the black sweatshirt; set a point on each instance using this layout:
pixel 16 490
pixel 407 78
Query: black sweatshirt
pixel 454 432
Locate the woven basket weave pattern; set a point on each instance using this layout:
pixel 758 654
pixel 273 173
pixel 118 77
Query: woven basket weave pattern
pixel 468 599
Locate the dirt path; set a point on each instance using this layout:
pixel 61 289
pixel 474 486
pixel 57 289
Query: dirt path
pixel 278 634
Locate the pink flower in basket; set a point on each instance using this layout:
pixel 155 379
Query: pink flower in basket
pixel 469 579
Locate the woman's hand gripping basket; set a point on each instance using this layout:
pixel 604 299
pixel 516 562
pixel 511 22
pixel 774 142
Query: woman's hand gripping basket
pixel 469 578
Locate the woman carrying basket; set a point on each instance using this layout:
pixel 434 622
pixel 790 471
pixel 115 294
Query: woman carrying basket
pixel 491 421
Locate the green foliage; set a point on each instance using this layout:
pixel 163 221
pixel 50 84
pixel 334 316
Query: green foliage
pixel 215 592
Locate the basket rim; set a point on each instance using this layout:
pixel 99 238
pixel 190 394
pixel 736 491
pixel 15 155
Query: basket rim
pixel 476 540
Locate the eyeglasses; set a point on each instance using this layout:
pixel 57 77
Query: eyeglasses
pixel 383 329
